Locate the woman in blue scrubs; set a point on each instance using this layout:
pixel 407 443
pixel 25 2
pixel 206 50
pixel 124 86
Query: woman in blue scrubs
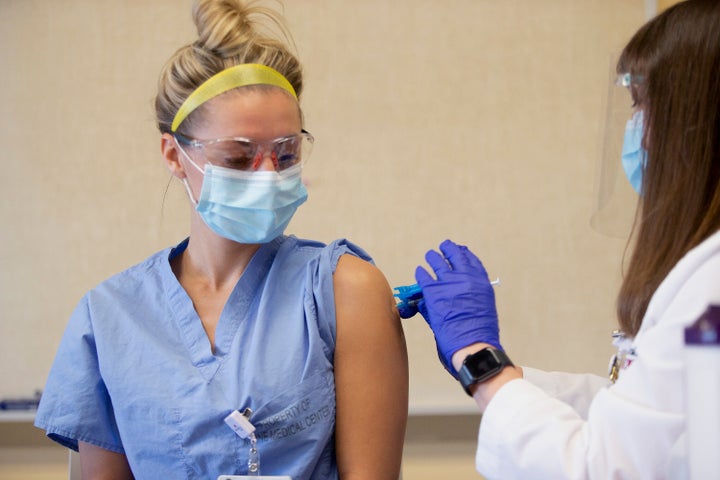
pixel 301 338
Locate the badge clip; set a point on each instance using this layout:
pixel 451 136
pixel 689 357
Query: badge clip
pixel 240 423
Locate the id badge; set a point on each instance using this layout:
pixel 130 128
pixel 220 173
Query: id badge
pixel 256 477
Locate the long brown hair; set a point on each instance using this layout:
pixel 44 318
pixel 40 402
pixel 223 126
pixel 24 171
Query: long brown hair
pixel 676 57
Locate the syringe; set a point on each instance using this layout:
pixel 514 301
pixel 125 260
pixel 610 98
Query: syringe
pixel 410 296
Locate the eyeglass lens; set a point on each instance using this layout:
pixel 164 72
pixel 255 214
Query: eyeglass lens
pixel 243 154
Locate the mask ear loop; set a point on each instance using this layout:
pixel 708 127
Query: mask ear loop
pixel 189 192
pixel 184 180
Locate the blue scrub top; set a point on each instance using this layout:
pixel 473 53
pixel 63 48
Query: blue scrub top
pixel 135 373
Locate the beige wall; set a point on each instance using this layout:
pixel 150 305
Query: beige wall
pixel 663 4
pixel 477 120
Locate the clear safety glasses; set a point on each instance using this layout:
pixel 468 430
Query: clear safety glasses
pixel 627 80
pixel 241 153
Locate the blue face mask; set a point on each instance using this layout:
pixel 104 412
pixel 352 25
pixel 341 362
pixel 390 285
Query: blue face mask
pixel 634 156
pixel 249 207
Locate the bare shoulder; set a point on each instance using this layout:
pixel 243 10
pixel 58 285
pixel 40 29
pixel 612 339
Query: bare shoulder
pixel 361 286
pixel 354 272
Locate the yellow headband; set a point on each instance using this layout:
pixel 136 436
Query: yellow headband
pixel 233 77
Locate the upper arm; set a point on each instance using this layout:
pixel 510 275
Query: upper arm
pixel 371 373
pixel 101 464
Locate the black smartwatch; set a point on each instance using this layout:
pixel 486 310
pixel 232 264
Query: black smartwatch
pixel 482 365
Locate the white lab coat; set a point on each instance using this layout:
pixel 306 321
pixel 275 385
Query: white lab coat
pixel 565 426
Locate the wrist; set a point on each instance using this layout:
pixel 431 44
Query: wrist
pixel 481 367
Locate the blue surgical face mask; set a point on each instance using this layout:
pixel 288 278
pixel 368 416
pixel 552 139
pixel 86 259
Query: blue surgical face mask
pixel 249 206
pixel 634 156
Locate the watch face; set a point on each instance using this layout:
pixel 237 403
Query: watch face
pixel 481 366
pixel 483 362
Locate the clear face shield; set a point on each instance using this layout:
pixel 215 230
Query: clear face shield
pixel 616 200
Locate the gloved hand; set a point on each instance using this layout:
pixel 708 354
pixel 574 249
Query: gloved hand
pixel 459 305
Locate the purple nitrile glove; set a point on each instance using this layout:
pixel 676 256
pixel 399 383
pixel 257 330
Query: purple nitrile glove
pixel 459 305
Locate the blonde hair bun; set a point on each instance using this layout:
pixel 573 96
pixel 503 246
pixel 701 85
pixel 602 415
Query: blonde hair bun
pixel 228 27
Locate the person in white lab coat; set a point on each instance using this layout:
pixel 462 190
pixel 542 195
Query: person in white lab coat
pixel 539 425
